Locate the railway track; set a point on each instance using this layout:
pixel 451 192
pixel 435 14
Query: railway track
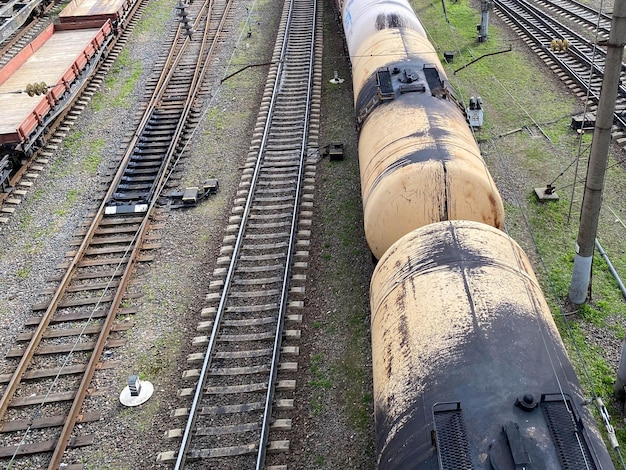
pixel 22 38
pixel 579 14
pixel 156 144
pixel 240 388
pixel 47 379
pixel 581 64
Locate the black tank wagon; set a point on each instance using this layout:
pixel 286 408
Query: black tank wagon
pixel 469 369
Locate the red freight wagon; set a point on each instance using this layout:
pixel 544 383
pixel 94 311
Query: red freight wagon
pixel 82 10
pixel 59 57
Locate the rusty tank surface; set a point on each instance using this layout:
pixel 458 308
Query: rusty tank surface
pixel 419 161
pixel 469 369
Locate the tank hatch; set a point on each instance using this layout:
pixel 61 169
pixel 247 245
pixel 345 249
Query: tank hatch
pixel 450 436
pixel 512 451
pixel 377 90
pixel 542 434
pixel 385 87
pixel 434 80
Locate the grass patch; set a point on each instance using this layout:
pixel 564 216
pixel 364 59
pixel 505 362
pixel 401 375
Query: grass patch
pixel 70 199
pixel 119 84
pixel 94 157
pixel 73 142
pixel 23 273
pixel 215 120
pixel 159 360
pixel 155 17
pixel 320 380
pixel 320 383
pixel 88 150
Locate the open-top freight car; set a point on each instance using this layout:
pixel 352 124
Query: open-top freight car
pixel 39 82
pixel 91 10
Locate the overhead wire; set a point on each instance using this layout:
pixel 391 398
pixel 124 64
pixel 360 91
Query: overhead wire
pixel 552 358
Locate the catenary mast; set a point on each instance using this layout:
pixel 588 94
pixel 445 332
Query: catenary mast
pixel 592 199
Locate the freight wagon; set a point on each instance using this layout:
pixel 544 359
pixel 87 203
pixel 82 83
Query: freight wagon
pixel 469 369
pixel 39 82
pixel 14 13
pixel 96 10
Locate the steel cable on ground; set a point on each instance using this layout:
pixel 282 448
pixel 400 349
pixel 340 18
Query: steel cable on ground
pixel 70 353
pixel 596 399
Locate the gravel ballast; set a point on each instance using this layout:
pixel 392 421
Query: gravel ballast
pixel 333 424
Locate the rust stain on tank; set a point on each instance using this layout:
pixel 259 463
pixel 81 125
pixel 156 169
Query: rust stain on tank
pixel 498 222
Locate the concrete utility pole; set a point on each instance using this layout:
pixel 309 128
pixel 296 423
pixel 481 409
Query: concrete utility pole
pixel 485 7
pixel 592 199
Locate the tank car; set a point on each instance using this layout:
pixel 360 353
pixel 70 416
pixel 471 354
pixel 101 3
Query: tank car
pixel 419 161
pixel 469 369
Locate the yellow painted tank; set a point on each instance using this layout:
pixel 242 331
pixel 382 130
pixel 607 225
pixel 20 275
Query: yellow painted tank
pixel 460 325
pixel 418 159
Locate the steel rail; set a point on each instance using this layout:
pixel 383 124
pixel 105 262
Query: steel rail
pixel 267 415
pixel 77 404
pixel 19 17
pixel 64 439
pixel 47 317
pixel 220 311
pixel 568 9
pixel 523 22
pixel 49 313
pixel 18 36
pixel 176 55
pixel 510 9
pixel 206 51
pixel 134 254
